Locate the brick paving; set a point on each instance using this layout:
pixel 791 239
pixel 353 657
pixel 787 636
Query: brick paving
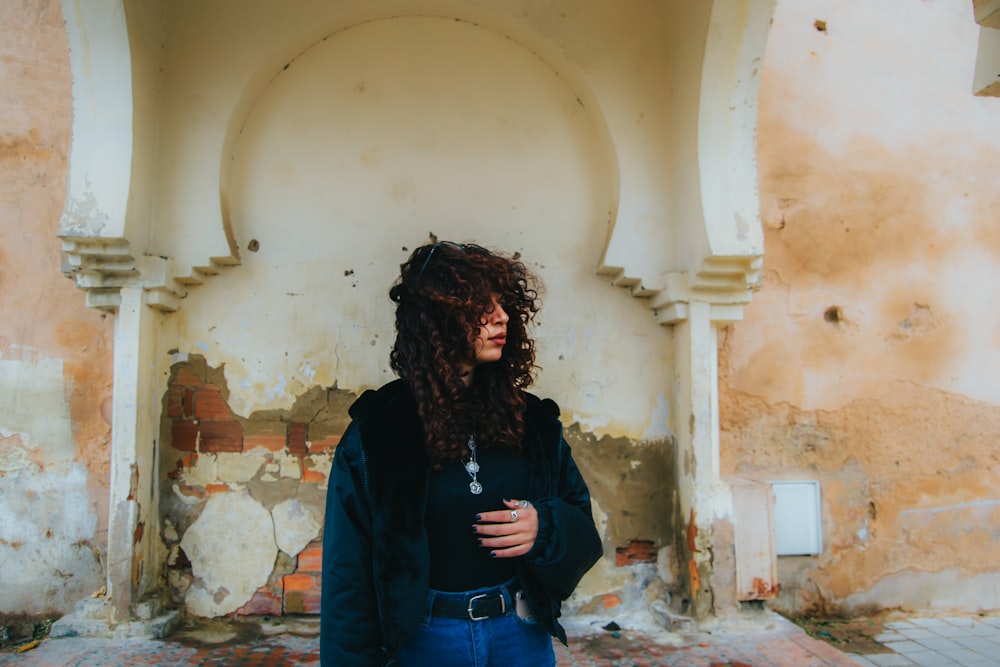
pixel 781 645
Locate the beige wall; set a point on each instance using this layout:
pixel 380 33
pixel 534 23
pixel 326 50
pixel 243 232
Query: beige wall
pixel 865 361
pixel 55 362
pixel 868 360
pixel 369 141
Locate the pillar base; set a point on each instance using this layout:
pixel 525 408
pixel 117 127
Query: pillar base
pixel 92 618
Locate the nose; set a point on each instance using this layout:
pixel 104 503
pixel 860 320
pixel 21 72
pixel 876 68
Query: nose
pixel 499 315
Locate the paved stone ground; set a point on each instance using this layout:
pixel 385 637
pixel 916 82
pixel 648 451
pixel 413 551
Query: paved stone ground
pixel 933 642
pixel 767 642
pixel 764 640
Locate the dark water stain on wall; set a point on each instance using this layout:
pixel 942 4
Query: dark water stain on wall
pixel 633 482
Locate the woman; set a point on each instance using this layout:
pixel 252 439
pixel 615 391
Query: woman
pixel 456 520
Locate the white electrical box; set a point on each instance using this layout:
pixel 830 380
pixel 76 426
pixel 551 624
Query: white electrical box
pixel 797 519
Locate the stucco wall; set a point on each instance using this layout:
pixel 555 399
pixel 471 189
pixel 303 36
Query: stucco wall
pixel 55 360
pixel 370 141
pixel 868 360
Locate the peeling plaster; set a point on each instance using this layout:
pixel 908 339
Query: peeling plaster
pixel 867 359
pixel 632 482
pixel 907 485
pixel 34 407
pixel 913 590
pixel 282 466
pixel 48 546
pixel 232 552
pixel 295 525
pixel 659 421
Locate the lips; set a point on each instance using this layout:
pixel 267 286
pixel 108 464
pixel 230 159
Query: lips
pixel 499 340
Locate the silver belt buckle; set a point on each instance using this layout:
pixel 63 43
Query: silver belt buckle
pixel 503 606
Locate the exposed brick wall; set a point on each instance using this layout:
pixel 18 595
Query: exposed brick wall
pixel 284 453
pixel 202 421
pixel 201 418
pixel 636 551
pixel 303 587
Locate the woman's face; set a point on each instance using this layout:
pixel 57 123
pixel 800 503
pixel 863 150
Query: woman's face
pixel 492 334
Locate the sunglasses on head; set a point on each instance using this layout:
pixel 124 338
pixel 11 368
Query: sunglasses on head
pixel 433 249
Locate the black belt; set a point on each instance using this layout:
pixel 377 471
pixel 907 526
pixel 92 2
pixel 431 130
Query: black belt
pixel 475 607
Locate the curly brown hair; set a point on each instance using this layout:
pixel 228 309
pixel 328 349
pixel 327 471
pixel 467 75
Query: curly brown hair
pixel 443 291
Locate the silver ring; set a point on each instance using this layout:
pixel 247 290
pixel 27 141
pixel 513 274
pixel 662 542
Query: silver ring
pixel 523 503
pixel 513 516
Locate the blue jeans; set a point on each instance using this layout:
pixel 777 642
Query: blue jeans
pixel 500 641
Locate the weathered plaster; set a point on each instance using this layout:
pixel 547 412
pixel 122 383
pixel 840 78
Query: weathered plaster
pixel 282 467
pixel 908 486
pixel 615 137
pixel 232 551
pixel 633 487
pixel 295 525
pixel 866 360
pixel 634 482
pixel 276 468
pixel 55 367
pixel 50 553
pixel 525 116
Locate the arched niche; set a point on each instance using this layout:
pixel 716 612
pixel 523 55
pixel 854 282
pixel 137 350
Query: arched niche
pixel 367 142
pixel 199 121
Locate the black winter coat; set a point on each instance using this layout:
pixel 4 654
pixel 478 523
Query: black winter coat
pixel 376 566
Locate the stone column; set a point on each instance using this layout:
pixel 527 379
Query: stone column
pixel 133 455
pixel 705 500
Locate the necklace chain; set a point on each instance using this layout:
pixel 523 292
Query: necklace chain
pixel 472 467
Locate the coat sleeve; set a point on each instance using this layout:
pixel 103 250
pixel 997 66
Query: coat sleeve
pixel 567 544
pixel 349 626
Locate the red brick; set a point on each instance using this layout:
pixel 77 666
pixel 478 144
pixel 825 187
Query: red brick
pixel 637 551
pixel 174 397
pixel 208 404
pixel 324 444
pixel 297 438
pixel 263 603
pixel 186 378
pixel 302 594
pixel 298 582
pixel 187 403
pixel 221 436
pixel 311 559
pixel 310 476
pixel 274 443
pixel 303 602
pixel 184 436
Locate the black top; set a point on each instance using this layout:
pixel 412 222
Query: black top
pixel 458 563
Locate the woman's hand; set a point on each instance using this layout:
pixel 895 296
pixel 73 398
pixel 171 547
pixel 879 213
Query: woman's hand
pixel 510 532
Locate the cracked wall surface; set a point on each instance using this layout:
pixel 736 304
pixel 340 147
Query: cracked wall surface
pixel 242 501
pixel 242 498
pixel 55 356
pixel 867 359
pixel 342 166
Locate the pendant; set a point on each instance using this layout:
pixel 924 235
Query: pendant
pixel 472 467
pixel 475 487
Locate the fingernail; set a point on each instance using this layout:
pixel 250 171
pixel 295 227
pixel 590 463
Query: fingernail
pixel 479 517
pixel 473 529
pixel 480 541
pixel 493 554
